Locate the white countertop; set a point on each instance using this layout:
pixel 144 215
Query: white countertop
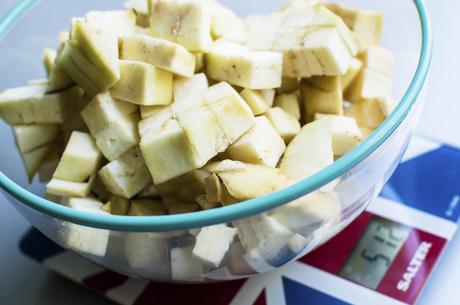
pixel 24 282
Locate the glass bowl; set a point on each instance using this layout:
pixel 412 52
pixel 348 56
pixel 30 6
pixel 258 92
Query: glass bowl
pixel 160 248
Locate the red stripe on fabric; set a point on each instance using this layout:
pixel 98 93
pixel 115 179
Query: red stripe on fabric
pixel 173 294
pixel 261 299
pixel 331 256
pixel 410 253
pixel 104 281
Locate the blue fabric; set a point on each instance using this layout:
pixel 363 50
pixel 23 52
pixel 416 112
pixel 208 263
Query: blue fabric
pixel 429 182
pixel 298 294
pixel 37 246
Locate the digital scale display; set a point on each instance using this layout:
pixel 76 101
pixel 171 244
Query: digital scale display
pixel 387 256
pixel 377 248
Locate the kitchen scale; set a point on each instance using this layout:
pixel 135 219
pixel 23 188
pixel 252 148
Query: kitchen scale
pixel 384 257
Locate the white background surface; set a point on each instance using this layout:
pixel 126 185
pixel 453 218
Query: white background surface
pixel 24 282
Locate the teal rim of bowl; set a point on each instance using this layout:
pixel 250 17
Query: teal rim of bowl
pixel 247 208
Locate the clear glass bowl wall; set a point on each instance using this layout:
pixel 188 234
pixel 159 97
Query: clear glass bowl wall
pixel 148 254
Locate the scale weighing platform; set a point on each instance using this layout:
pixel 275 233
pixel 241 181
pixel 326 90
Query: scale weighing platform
pixel 384 257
